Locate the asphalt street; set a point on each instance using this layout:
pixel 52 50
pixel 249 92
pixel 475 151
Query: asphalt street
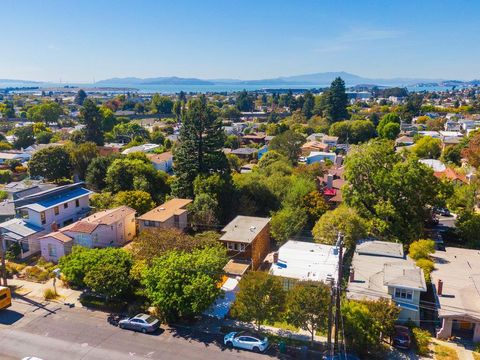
pixel 55 332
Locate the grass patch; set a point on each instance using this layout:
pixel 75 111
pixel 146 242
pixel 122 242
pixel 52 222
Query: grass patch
pixel 95 302
pixel 50 294
pixel 37 274
pixel 284 325
pixel 443 352
pixel 422 340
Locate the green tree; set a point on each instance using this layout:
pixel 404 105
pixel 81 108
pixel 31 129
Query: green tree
pixel 343 219
pixel 307 306
pixel 288 144
pixel 97 172
pixel 182 284
pixel 336 101
pixel 287 222
pixel 387 131
pixel 76 265
pixel 80 97
pixel 161 104
pixel 91 117
pixel 308 104
pixel 81 156
pixel 428 148
pixel 315 206
pixel 109 280
pixel 452 155
pixel 44 137
pixel 468 228
pixel 245 101
pixel 52 163
pixel 7 110
pixel 130 131
pixel 395 195
pixel 261 298
pixel 200 148
pixel 139 200
pixel 48 112
pixel 463 198
pixel 5 176
pixel 23 137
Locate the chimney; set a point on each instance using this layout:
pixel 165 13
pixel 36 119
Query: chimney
pixel 275 257
pixel 329 181
pixel 352 274
pixel 54 226
pixel 440 288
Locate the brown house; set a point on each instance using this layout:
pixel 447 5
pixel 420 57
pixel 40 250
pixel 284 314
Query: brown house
pixel 247 239
pixel 172 214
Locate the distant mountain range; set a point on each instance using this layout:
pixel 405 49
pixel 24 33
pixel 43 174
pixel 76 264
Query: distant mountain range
pixel 316 79
pixel 311 80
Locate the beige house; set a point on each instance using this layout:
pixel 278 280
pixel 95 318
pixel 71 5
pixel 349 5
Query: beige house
pixel 113 227
pixel 172 214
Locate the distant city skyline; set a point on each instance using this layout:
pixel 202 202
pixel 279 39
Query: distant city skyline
pixel 83 41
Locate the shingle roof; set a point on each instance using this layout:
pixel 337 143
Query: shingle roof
pixel 160 158
pixel 59 236
pixel 106 217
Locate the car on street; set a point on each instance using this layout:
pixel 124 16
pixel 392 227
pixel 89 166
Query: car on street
pixel 402 337
pixel 443 212
pixel 246 340
pixel 141 322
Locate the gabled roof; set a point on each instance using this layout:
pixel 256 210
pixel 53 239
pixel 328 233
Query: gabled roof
pixel 106 217
pixel 160 158
pixel 58 235
pixel 405 275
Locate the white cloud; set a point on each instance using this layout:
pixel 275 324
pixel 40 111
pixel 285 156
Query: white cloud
pixel 353 36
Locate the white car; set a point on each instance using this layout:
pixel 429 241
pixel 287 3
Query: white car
pixel 246 340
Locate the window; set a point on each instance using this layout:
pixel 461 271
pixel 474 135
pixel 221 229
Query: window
pixel 65 206
pixel 403 294
pixel 236 246
pixel 52 250
pixel 56 210
pixel 43 218
pixel 146 223
pixel 77 203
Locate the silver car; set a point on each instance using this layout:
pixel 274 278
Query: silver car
pixel 246 340
pixel 141 322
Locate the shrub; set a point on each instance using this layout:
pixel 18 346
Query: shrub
pixel 20 169
pixel 421 249
pixel 427 266
pixel 422 340
pixel 3 195
pixel 36 273
pixel 49 294
pixel 5 176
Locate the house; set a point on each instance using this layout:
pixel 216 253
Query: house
pixel 404 141
pixel 305 261
pixel 319 156
pixel 436 165
pixel 109 149
pixel 113 227
pixel 452 175
pixel 452 126
pixel 380 269
pixel 37 213
pixel 331 185
pixel 17 155
pixel 310 146
pixel 245 153
pixel 163 162
pixel 145 148
pixel 171 214
pixel 253 138
pixel 456 281
pixel 247 238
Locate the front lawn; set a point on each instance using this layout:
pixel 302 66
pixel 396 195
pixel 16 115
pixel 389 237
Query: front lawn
pixel 443 352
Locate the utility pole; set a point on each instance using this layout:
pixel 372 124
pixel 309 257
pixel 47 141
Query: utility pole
pixel 338 289
pixel 330 318
pixel 3 266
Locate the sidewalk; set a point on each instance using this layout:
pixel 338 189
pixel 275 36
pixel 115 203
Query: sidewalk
pixel 35 290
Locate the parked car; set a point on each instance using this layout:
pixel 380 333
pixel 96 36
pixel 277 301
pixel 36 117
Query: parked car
pixel 141 322
pixel 246 340
pixel 443 212
pixel 402 337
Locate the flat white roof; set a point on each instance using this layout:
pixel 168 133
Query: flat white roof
pixel 306 261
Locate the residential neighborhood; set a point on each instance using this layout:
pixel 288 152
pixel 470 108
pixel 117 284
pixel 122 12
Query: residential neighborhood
pixel 193 181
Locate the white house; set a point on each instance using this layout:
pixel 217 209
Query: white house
pixel 305 261
pixel 145 148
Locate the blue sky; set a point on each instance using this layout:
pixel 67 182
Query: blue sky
pixel 249 39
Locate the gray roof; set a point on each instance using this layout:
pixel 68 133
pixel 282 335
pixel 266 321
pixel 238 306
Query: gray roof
pixel 18 228
pixel 244 229
pixel 244 151
pixel 459 271
pixel 7 208
pixel 380 248
pixel 405 275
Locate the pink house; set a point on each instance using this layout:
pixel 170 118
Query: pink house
pixel 113 227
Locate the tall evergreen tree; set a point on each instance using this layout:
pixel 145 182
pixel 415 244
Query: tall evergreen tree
pixel 91 117
pixel 308 104
pixel 337 101
pixel 200 150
